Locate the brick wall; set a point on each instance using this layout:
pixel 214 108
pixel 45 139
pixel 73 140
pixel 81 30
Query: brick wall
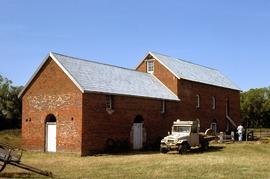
pixel 188 91
pixel 99 125
pixel 52 92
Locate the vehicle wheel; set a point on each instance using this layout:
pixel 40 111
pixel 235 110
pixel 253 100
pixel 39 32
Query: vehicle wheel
pixel 183 148
pixel 205 145
pixel 163 150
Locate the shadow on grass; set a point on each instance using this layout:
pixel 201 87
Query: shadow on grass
pixel 139 152
pixel 209 150
pixel 152 152
pixel 17 175
pixel 198 150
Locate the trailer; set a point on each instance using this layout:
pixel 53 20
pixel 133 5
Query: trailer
pixel 12 156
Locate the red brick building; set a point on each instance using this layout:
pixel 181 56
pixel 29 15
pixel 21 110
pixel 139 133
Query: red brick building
pixel 74 105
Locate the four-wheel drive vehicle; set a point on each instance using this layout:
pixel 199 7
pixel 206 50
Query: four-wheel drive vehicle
pixel 184 135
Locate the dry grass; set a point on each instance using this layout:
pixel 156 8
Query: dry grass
pixel 245 160
pixel 11 137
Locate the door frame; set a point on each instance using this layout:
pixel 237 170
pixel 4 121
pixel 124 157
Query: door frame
pixel 46 135
pixel 134 136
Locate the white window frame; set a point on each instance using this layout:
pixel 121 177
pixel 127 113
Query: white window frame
pixel 163 107
pixel 109 104
pixel 151 67
pixel 198 98
pixel 213 102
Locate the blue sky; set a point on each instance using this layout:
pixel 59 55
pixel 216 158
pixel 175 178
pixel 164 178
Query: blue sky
pixel 231 36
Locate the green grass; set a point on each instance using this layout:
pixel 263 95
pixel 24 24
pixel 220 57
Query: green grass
pixel 239 160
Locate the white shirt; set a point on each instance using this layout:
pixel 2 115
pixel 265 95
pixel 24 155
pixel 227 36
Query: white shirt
pixel 240 129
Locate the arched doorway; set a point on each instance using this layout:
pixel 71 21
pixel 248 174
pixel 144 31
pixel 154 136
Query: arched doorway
pixel 137 128
pixel 50 133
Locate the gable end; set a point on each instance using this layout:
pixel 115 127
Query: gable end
pixel 39 69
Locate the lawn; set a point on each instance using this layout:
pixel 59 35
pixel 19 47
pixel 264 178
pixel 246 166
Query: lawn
pixel 239 160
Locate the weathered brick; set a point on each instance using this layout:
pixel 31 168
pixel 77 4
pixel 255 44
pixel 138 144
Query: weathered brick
pixel 52 92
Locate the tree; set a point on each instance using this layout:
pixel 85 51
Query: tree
pixel 10 104
pixel 255 107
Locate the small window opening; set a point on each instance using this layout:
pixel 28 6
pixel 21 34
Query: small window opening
pixel 150 66
pixel 213 126
pixel 213 102
pixel 198 101
pixel 163 107
pixel 109 102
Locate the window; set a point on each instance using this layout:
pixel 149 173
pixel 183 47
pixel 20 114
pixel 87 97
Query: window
pixel 213 126
pixel 163 107
pixel 198 101
pixel 181 129
pixel 213 102
pixel 108 102
pixel 150 66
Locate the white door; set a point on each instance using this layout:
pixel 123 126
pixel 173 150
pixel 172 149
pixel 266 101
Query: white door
pixel 51 137
pixel 137 136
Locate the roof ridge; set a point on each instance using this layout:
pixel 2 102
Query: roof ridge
pixel 187 61
pixel 173 65
pixel 96 62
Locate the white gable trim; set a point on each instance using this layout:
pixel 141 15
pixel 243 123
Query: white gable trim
pixel 149 53
pixel 39 68
pixel 66 72
pixel 141 61
pixel 164 65
pixel 166 87
pixel 33 76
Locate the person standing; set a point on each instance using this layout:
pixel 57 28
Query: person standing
pixel 240 129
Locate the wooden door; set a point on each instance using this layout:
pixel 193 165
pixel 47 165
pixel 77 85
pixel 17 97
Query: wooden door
pixel 51 137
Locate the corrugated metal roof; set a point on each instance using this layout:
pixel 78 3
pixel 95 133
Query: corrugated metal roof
pixel 97 77
pixel 193 72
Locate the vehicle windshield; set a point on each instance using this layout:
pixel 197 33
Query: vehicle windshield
pixel 181 129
